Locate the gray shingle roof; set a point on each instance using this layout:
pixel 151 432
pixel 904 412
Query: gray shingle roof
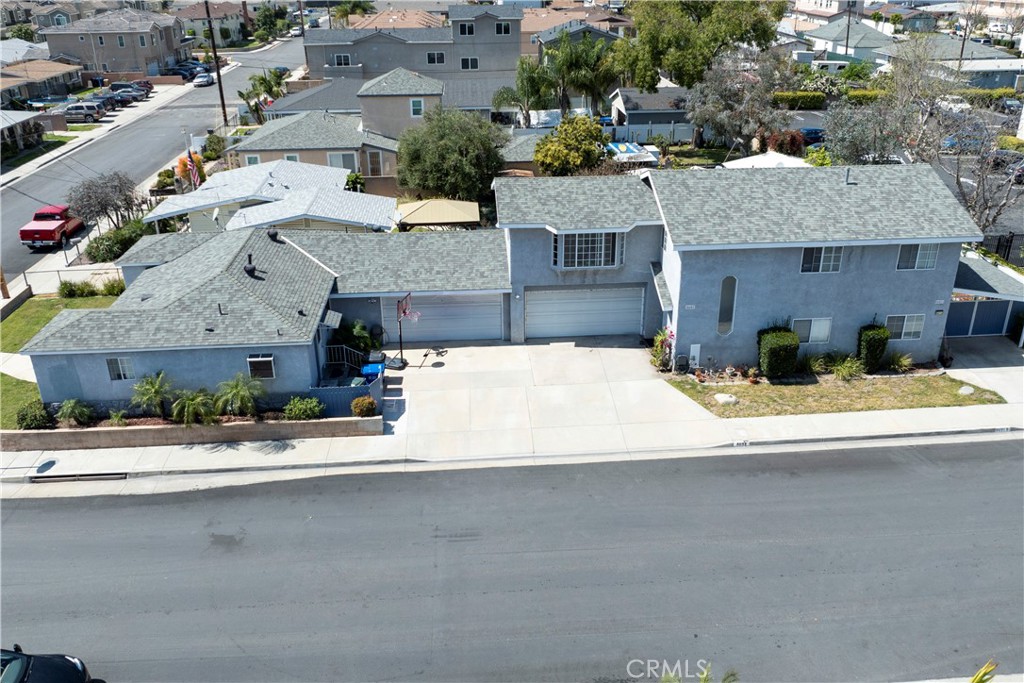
pixel 860 34
pixel 474 93
pixel 666 99
pixel 575 203
pixel 176 304
pixel 574 27
pixel 337 95
pixel 347 36
pixel 942 47
pixel 465 12
pixel 799 205
pixel 127 20
pixel 313 130
pixel 521 148
pixel 461 260
pixel 154 249
pixel 978 275
pixel 399 82
pixel 341 206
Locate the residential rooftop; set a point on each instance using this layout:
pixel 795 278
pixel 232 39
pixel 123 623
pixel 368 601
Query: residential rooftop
pixel 313 130
pixel 336 95
pixel 401 81
pixel 574 202
pixel 860 35
pixel 125 20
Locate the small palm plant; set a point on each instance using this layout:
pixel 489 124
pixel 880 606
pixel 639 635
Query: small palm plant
pixel 73 410
pixel 151 393
pixel 238 395
pixel 193 407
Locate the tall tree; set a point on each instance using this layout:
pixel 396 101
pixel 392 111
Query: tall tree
pixel 111 196
pixel 268 84
pixel 454 154
pixel 866 134
pixel 566 64
pixel 577 144
pixel 23 32
pixel 251 99
pixel 683 37
pixel 533 90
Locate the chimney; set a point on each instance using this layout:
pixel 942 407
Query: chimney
pixel 245 13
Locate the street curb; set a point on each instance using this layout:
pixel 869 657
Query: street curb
pixel 538 459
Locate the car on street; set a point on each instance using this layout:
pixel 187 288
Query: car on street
pixel 1017 173
pixel 283 70
pixel 1008 105
pixel 202 80
pixel 49 227
pixel 968 140
pixel 18 667
pixel 999 160
pixel 295 31
pixel 952 103
pixel 812 136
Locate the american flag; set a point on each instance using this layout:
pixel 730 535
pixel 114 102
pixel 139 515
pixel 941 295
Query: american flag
pixel 193 172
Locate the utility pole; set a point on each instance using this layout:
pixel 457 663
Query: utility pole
pixel 302 19
pixel 216 63
pixel 849 8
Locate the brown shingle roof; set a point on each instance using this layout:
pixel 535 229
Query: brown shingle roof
pixel 218 10
pixel 37 70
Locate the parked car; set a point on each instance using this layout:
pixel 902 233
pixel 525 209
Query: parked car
pixel 143 85
pixel 18 667
pixel 883 159
pixel 313 23
pixel 283 70
pixel 1002 159
pixel 126 85
pixel 295 31
pixel 124 97
pixel 185 73
pixel 108 101
pixel 1017 173
pixel 50 226
pixel 194 66
pixel 952 103
pixel 812 135
pixel 971 141
pixel 202 80
pixel 1008 105
pixel 87 112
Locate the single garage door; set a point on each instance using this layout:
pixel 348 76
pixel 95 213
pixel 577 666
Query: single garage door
pixel 579 312
pixel 446 318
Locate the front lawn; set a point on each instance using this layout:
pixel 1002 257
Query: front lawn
pixel 82 127
pixel 50 143
pixel 687 155
pixel 32 315
pixel 829 395
pixel 15 393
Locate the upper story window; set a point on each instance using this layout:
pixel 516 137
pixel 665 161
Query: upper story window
pixel 342 60
pixel 470 63
pixel 416 108
pixel 142 41
pixel 503 28
pixel 821 260
pixel 918 257
pixel 81 39
pixel 466 28
pixel 435 58
pixel 120 41
pixel 99 40
pixel 587 250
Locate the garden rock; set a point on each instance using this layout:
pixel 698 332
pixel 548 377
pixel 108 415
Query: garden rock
pixel 966 391
pixel 726 399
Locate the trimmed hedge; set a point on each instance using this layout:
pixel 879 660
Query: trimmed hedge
pixel 1010 142
pixel 871 342
pixel 777 350
pixel 69 289
pixel 985 97
pixel 800 99
pixel 304 408
pixel 364 406
pixel 864 96
pixel 112 244
pixel 34 416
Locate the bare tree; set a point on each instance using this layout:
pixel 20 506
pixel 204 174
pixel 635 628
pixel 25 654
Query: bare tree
pixel 974 19
pixel 111 196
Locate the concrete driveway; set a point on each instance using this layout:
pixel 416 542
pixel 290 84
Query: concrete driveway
pixel 561 397
pixel 990 362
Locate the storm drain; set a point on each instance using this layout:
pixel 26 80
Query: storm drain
pixel 109 476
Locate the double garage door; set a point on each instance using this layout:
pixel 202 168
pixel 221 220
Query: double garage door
pixel 580 312
pixel 446 318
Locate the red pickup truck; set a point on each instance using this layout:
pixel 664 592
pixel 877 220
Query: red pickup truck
pixel 50 226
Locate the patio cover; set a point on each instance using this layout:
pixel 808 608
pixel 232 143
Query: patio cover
pixel 439 212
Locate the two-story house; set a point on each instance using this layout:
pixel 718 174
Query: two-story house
pixel 825 11
pixel 480 41
pixel 228 19
pixel 122 42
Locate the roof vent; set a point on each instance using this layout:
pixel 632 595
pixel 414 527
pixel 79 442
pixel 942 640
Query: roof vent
pixel 848 182
pixel 302 312
pixel 209 328
pixel 272 234
pixel 220 309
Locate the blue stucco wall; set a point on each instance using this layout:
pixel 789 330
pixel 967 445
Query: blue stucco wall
pixel 530 263
pixel 85 376
pixel 770 287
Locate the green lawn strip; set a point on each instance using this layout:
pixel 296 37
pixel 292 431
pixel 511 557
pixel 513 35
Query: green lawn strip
pixel 14 393
pixel 828 395
pixel 47 146
pixel 82 127
pixel 689 156
pixel 53 137
pixel 32 315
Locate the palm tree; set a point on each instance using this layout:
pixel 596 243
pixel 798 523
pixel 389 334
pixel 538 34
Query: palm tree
pixel 238 395
pixel 268 84
pixel 151 392
pixel 597 71
pixel 193 407
pixel 533 90
pixel 251 99
pixel 342 10
pixel 565 64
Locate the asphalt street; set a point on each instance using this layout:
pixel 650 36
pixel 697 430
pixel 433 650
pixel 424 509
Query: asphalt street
pixel 140 149
pixel 895 563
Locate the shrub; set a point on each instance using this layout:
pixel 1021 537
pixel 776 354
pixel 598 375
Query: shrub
pixel 238 395
pixel 849 368
pixel 34 416
pixel 72 290
pixel 117 418
pixel 811 364
pixel 73 410
pixel 1010 142
pixel 113 287
pixel 871 342
pixel 899 362
pixel 184 173
pixel 800 99
pixel 112 244
pixel 364 406
pixel 303 408
pixel 787 142
pixel 985 97
pixel 354 335
pixel 831 359
pixel 777 352
pixel 215 144
pixel 818 157
pixel 864 96
pixel 661 350
pixel 193 407
pixel 261 36
pixel 151 393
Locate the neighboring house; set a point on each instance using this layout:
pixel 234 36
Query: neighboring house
pixel 856 40
pixel 944 47
pixel 225 15
pixel 396 18
pixel 480 41
pixel 770 159
pixel 14 50
pixel 911 20
pixel 19 130
pixel 38 78
pixel 988 300
pixel 281 194
pixel 45 16
pixel 984 66
pixel 335 96
pixel 644 114
pixel 398 100
pixel 125 41
pixel 576 31
pixel 520 150
pixel 13 13
pixel 825 11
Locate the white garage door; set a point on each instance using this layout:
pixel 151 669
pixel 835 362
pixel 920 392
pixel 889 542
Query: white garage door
pixel 584 312
pixel 447 318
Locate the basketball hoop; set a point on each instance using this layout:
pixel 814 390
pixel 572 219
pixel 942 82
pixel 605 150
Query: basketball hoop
pixel 413 316
pixel 404 312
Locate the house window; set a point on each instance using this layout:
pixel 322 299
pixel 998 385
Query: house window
pixel 120 369
pixel 105 67
pixel 345 160
pixel 917 257
pixel 904 326
pixel 435 58
pixel 466 29
pixel 291 157
pixel 416 107
pixel 142 41
pixel 727 305
pixel 375 162
pixel 99 40
pixel 470 63
pixel 120 41
pixel 261 366
pixel 821 260
pixel 342 60
pixel 252 159
pixel 587 250
pixel 502 28
pixel 813 330
pixel 60 20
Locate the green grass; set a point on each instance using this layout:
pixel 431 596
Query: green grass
pixel 687 155
pixel 53 137
pixel 32 315
pixel 14 393
pixel 85 92
pixel 828 395
pixel 82 127
pixel 47 146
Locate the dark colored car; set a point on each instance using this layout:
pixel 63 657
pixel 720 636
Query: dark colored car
pixel 124 98
pixel 1017 173
pixel 143 85
pixel 131 87
pixel 813 136
pixel 18 667
pixel 283 70
pixel 1003 159
pixel 1008 105
pixel 185 73
pixel 109 101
